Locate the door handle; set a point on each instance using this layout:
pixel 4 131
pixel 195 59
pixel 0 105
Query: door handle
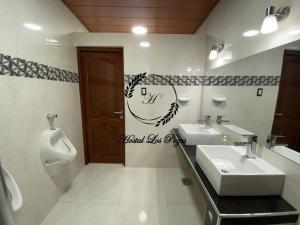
pixel 278 136
pixel 278 114
pixel 119 113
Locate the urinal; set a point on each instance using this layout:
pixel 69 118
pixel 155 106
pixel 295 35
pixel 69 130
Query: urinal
pixel 13 190
pixel 56 150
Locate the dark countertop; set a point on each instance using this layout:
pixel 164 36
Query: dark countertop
pixel 236 207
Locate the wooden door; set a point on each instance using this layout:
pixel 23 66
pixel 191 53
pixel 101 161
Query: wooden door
pixel 287 116
pixel 102 102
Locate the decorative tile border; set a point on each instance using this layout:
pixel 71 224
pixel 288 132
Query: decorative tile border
pixel 241 80
pixel 183 80
pixel 179 80
pixel 22 68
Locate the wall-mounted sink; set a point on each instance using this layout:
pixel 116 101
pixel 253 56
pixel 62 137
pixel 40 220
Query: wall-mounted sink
pixel 196 134
pixel 232 174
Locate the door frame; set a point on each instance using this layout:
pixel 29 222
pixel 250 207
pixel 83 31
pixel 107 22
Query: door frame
pixel 283 76
pixel 81 90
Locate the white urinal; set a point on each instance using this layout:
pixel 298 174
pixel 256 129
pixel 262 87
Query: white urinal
pixel 13 190
pixel 56 150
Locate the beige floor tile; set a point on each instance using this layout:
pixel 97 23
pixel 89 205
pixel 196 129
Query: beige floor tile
pixel 143 186
pixel 185 215
pixel 78 183
pixel 88 214
pixel 176 192
pixel 133 214
pixel 55 214
pixel 103 187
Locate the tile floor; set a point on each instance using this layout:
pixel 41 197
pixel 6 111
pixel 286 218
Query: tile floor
pixel 105 194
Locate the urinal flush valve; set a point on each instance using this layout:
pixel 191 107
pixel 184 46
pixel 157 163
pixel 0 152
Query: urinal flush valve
pixel 51 118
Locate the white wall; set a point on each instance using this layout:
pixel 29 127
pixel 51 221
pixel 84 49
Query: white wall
pixel 168 55
pixel 231 18
pixel 26 101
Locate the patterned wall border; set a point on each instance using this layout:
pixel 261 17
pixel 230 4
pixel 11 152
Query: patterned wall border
pixel 22 68
pixel 183 80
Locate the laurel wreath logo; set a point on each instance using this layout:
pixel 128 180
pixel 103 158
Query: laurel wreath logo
pixel 134 82
pixel 129 90
pixel 172 112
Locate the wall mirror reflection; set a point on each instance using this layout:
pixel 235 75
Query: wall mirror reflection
pixel 260 94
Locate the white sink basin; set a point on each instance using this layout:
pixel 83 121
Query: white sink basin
pixel 196 134
pixel 232 174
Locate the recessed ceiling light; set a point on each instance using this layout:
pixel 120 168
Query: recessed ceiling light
pixel 250 33
pixel 295 32
pixel 32 26
pixel 189 69
pixel 143 216
pixel 50 40
pixel 139 30
pixel 145 44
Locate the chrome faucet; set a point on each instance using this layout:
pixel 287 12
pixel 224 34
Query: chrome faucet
pixel 207 121
pixel 272 141
pixel 51 118
pixel 220 120
pixel 251 145
pixel 251 148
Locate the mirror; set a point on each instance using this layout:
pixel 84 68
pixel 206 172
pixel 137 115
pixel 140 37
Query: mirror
pixel 260 94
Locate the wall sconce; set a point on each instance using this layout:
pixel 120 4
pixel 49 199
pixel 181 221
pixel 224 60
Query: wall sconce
pixel 215 50
pixel 270 23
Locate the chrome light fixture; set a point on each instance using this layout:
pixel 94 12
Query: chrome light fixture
pixel 215 50
pixel 270 23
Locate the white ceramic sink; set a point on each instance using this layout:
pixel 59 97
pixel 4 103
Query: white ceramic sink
pixel 196 134
pixel 232 174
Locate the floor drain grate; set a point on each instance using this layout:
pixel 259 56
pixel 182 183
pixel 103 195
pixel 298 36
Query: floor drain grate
pixel 187 181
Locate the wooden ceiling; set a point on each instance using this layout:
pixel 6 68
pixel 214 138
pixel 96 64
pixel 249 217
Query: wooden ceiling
pixel 159 16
